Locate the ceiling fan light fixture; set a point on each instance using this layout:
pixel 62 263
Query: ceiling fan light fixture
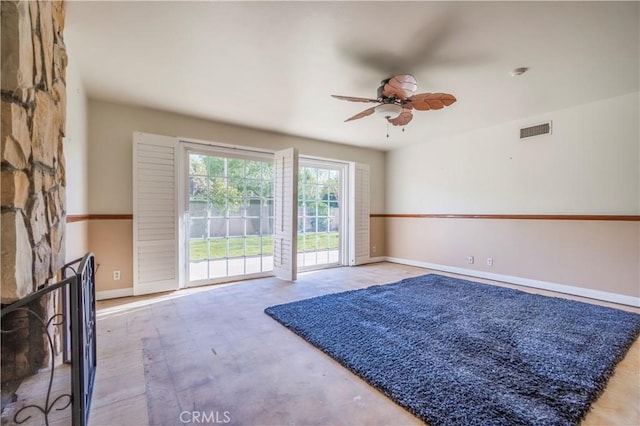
pixel 397 100
pixel 388 110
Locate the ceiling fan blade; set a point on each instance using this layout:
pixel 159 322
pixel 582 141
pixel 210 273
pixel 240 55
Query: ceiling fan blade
pixel 404 118
pixel 400 86
pixel 424 42
pixel 428 101
pixel 354 99
pixel 367 112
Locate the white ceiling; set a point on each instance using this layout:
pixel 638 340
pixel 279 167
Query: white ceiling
pixel 273 65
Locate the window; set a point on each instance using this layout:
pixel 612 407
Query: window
pixel 230 219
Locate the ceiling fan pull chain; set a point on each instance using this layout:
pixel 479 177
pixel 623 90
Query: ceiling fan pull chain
pixel 387 130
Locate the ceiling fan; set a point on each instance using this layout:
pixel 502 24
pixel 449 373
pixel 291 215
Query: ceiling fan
pixel 397 100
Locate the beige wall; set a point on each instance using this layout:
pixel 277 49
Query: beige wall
pixel 77 235
pixel 589 165
pixel 110 129
pixel 112 243
pixel 597 255
pixel 75 152
pixel 378 233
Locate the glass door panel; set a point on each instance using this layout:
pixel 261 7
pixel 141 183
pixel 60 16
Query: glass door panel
pixel 319 214
pixel 230 223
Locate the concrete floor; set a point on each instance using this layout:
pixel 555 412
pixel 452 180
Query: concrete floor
pixel 215 351
pixel 210 354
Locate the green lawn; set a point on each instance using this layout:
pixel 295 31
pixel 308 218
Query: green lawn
pixel 256 245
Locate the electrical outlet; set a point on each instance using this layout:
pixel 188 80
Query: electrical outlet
pixel 489 261
pixel 373 249
pixel 116 275
pixel 470 259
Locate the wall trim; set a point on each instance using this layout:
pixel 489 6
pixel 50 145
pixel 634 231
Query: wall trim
pixel 114 294
pixel 624 218
pixel 76 218
pixel 544 285
pixel 82 217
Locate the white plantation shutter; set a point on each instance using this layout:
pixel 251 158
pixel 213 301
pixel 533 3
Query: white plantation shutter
pixel 359 213
pixel 155 213
pixel 285 193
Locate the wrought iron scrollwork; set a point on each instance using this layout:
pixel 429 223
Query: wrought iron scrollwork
pixel 79 326
pixel 49 404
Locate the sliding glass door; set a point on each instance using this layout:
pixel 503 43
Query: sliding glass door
pixel 230 215
pixel 206 213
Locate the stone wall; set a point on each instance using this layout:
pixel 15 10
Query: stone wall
pixel 32 168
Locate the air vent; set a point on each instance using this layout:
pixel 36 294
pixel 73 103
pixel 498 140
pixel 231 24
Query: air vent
pixel 537 130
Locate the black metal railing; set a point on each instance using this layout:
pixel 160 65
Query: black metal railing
pixel 78 322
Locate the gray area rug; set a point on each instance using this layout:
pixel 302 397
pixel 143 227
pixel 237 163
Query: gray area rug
pixel 456 352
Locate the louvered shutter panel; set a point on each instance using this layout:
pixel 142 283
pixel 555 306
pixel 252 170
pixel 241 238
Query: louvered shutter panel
pixel 359 213
pixel 285 240
pixel 155 213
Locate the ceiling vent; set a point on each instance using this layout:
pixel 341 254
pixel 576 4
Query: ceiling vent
pixel 537 130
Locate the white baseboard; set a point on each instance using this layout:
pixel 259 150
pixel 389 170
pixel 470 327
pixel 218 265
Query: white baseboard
pixel 376 259
pixel 114 294
pixel 544 285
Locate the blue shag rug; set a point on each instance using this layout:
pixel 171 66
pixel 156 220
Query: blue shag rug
pixel 456 352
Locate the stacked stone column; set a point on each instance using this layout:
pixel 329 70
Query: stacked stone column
pixel 33 111
pixel 33 170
